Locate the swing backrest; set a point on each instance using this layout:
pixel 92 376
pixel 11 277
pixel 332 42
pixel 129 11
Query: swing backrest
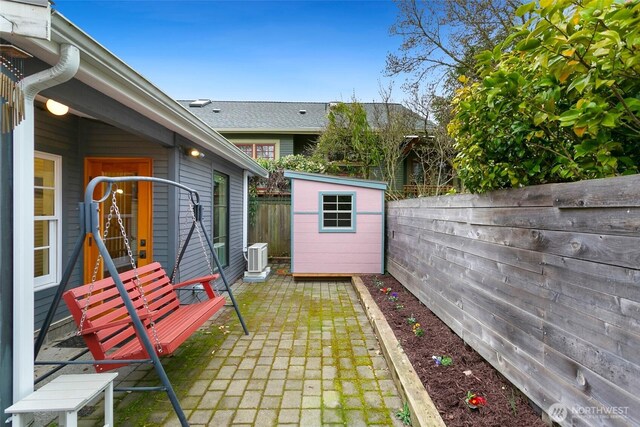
pixel 106 307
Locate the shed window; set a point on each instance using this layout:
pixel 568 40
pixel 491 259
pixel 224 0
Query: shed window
pixel 337 212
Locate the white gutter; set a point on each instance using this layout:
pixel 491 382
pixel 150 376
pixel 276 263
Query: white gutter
pixel 23 205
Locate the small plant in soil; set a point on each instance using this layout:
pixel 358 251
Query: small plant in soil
pixel 393 297
pixel 513 404
pixel 385 290
pixel 442 360
pixel 399 306
pixel 474 401
pixel 417 330
pixel 404 415
pixel 378 283
pixel 411 320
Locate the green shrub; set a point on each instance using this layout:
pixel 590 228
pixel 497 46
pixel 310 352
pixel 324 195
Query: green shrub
pixel 559 100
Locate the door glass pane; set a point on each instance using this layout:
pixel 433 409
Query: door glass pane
pixel 221 217
pixel 127 202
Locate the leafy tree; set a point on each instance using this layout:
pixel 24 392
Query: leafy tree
pixel 562 105
pixel 349 138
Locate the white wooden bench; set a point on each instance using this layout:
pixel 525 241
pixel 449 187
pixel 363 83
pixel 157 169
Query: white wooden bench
pixel 66 395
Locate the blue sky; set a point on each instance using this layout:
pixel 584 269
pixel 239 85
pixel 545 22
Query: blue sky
pixel 248 50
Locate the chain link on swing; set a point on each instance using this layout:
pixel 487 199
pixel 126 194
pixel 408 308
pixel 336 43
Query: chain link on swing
pixel 114 209
pixel 181 242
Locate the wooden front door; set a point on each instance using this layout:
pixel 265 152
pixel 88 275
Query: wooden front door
pixel 134 202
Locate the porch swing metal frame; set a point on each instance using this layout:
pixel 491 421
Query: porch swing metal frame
pixel 90 224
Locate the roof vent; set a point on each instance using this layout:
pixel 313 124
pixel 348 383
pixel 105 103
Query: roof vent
pixel 302 111
pixel 216 110
pixel 199 103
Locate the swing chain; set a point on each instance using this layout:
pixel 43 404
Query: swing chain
pixel 95 272
pixel 204 250
pixel 132 261
pixel 181 242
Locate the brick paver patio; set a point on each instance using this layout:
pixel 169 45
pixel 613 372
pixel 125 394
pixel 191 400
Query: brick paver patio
pixel 311 359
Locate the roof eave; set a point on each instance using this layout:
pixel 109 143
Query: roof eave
pixel 102 70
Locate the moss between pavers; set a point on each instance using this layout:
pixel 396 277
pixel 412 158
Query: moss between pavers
pixel 302 314
pixel 143 408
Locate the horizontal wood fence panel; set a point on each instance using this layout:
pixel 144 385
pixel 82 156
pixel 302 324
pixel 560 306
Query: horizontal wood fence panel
pixel 621 251
pixel 613 221
pixel 610 192
pixel 529 374
pixel 544 282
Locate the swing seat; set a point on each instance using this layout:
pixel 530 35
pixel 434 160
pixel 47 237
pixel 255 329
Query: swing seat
pixel 108 329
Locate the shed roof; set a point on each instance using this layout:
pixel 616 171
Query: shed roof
pixel 340 180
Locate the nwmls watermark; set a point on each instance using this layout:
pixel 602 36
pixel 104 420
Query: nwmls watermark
pixel 559 412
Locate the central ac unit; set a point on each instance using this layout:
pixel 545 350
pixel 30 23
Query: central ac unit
pixel 257 257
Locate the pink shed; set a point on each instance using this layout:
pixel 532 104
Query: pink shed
pixel 337 224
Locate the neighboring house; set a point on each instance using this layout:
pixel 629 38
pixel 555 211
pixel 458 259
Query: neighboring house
pixel 118 123
pixel 264 129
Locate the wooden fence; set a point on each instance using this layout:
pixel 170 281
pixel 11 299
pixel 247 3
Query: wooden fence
pixel 272 224
pixel 544 282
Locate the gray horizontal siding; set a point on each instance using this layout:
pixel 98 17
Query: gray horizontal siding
pixel 101 140
pixel 58 135
pixel 198 174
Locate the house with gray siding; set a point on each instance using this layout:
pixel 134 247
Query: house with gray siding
pixel 118 123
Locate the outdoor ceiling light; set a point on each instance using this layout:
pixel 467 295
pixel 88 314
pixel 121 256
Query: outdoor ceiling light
pixel 194 152
pixel 56 108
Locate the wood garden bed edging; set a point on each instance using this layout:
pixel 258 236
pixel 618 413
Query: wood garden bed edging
pixel 423 411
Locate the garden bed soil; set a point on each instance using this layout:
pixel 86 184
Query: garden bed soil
pixel 448 385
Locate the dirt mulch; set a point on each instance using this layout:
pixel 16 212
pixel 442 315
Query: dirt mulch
pixel 448 385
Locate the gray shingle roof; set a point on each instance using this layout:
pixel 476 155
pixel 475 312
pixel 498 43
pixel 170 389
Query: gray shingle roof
pixel 269 116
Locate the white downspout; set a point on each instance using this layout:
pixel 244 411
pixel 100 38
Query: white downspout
pixel 245 212
pixel 23 267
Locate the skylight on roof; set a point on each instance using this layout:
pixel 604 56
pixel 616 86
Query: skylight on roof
pixel 199 103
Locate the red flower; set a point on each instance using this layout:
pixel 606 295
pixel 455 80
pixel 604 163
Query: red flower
pixel 478 401
pixel 473 401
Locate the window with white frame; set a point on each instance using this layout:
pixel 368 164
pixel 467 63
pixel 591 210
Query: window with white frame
pixel 337 212
pixel 47 187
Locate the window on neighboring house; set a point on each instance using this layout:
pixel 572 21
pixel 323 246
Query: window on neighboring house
pixel 259 151
pixel 337 212
pixel 47 219
pixel 221 217
pixel 246 149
